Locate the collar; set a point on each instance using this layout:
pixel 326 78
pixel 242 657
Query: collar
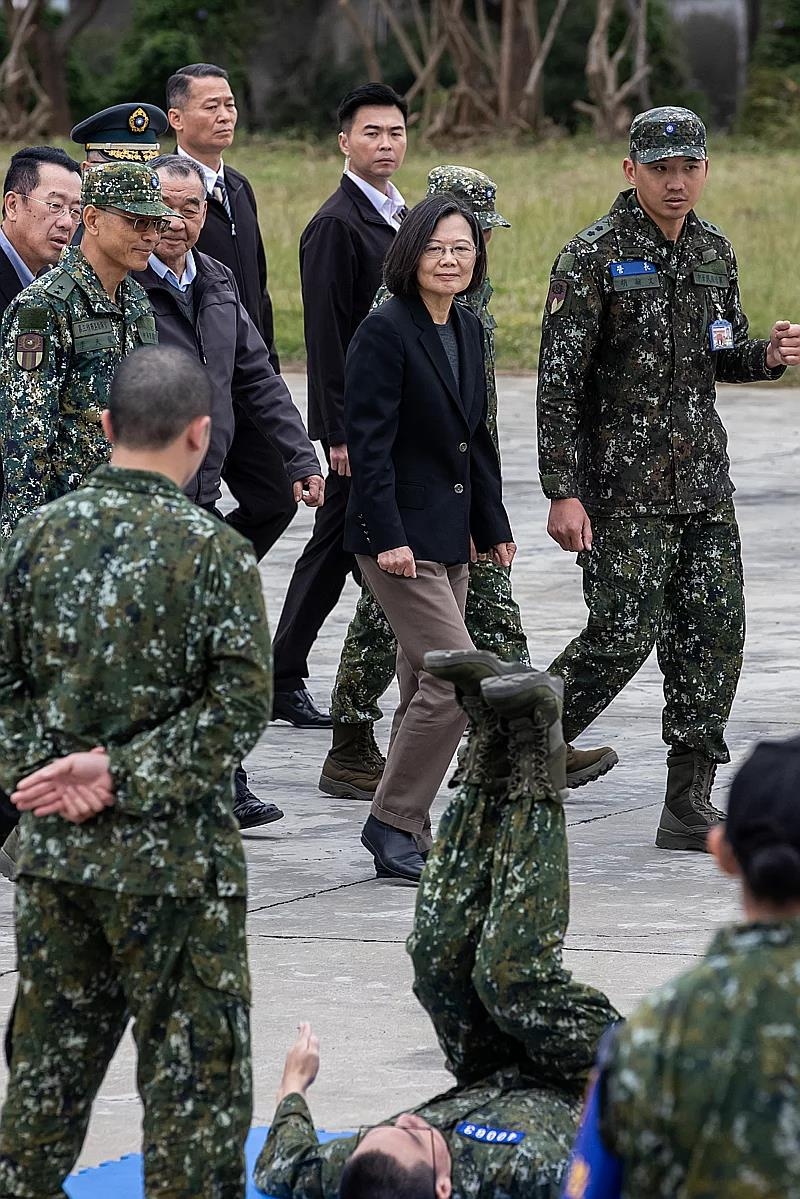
pixel 168 275
pixel 387 205
pixel 629 212
pixel 209 174
pixel 746 938
pixel 24 273
pixel 123 478
pixel 132 296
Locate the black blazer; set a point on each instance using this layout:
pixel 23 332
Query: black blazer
pixel 425 471
pixel 240 247
pixel 342 249
pixel 10 286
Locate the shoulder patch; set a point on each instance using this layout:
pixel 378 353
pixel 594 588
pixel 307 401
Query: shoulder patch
pixel 565 263
pixel 59 284
pixel 711 228
pixel 31 351
pixel 596 231
pixel 33 320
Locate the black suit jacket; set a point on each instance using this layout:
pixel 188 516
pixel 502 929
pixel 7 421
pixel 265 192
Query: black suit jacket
pixel 342 249
pixel 239 246
pixel 425 471
pixel 10 286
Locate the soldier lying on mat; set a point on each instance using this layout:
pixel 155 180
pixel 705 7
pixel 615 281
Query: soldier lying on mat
pixel 518 1033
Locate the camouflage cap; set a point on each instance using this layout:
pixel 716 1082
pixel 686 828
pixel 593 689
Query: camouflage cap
pixel 129 186
pixel 477 191
pixel 667 133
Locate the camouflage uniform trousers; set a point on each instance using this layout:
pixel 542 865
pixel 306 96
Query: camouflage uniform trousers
pixel 491 915
pixel 369 654
pixel 674 582
pixel 89 959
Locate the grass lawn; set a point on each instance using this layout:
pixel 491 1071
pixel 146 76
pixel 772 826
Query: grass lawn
pixel 548 193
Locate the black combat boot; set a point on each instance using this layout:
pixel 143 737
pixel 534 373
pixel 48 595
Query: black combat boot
pixel 354 765
pixel 688 813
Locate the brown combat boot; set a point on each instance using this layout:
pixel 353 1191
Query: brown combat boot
pixel 586 765
pixel 354 765
pixel 688 813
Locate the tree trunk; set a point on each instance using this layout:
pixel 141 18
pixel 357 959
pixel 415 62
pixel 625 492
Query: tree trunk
pixel 609 110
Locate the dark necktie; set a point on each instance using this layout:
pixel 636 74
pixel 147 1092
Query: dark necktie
pixel 220 193
pixel 401 214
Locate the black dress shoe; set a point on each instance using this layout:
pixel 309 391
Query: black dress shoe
pixel 249 810
pixel 395 851
pixel 299 709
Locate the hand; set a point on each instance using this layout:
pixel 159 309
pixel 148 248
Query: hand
pixel 503 553
pixel 569 525
pixel 76 787
pixel 784 345
pixel 474 556
pixel 310 490
pixel 340 461
pixel 398 562
pixel 302 1064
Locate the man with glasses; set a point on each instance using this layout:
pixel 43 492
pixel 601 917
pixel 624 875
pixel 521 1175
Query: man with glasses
pixel 64 336
pixel 518 1032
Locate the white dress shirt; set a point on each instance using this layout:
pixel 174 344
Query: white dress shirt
pixel 388 204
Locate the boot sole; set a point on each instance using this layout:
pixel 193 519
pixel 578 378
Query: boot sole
pixel 260 821
pixel 596 771
pixel 343 790
pixel 438 660
pixel 685 841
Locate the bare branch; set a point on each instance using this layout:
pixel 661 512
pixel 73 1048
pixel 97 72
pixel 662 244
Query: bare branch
pixel 365 38
pixel 532 81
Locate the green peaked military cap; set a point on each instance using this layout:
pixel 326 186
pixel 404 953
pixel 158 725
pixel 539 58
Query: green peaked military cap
pixel 126 132
pixel 477 191
pixel 667 133
pixel 130 186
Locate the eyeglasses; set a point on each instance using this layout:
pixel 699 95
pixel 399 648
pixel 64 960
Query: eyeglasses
pixel 54 208
pixel 143 224
pixel 463 251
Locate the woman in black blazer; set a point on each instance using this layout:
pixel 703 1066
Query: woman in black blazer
pixel 425 497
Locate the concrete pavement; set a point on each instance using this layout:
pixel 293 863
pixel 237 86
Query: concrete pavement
pixel 326 939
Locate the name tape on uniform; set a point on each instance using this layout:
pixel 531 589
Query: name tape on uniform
pixel 488 1135
pixel 638 267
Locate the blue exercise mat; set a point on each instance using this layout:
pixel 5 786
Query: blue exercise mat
pixel 124 1179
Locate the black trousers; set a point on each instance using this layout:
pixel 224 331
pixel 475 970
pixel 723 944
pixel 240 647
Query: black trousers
pixel 256 476
pixel 319 577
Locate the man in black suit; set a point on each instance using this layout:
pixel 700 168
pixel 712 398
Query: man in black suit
pixel 341 259
pixel 41 210
pixel 202 112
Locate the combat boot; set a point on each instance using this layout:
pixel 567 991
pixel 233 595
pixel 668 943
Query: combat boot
pixel 484 762
pixel 8 855
pixel 354 765
pixel 688 813
pixel 529 707
pixel 586 765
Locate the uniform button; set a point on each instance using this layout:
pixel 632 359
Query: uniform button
pixel 458 489
pixel 463 447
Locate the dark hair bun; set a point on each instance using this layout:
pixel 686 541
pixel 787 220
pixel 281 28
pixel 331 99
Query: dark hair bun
pixel 772 872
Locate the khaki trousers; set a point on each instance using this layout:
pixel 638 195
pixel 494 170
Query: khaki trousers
pixel 425 613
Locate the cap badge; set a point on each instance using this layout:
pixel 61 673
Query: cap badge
pixel 670 128
pixel 138 121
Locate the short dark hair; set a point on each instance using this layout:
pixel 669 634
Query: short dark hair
pixel 23 171
pixel 378 94
pixel 376 1175
pixel 178 85
pixel 402 261
pixel 156 392
pixel 179 165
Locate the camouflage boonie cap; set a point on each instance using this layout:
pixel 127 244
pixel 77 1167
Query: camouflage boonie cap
pixel 667 133
pixel 130 186
pixel 477 191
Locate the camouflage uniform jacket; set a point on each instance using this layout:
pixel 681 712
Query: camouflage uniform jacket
pixel 506 1138
pixel 702 1094
pixel 62 340
pixel 132 619
pixel 626 396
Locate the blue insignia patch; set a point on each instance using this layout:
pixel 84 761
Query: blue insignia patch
pixel 488 1135
pixel 670 128
pixel 638 267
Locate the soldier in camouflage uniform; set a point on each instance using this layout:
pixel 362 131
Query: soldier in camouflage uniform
pixel 354 766
pixel 642 318
pixel 64 336
pixel 698 1093
pixel 133 621
pixel 517 1031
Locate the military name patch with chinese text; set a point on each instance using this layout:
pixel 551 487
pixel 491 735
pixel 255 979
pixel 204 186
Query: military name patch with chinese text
pixel 488 1135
